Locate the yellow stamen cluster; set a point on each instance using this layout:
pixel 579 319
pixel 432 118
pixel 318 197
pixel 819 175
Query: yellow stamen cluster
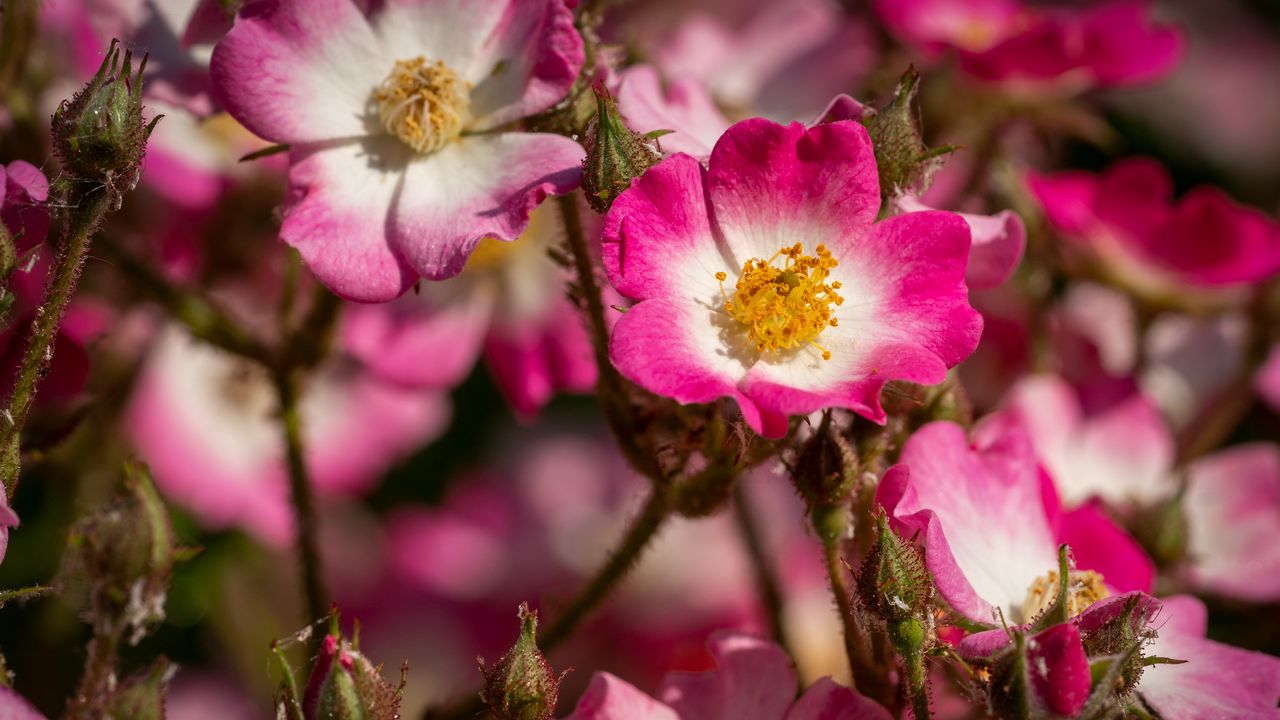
pixel 785 307
pixel 423 103
pixel 1084 588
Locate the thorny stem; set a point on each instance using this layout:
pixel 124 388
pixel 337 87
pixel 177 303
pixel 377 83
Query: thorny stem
pixel 844 605
pixel 917 688
pixel 644 527
pixel 99 669
pixel 87 210
pixel 610 388
pixel 300 493
pixel 766 579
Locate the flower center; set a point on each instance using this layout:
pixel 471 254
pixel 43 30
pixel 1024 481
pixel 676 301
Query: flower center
pixel 787 306
pixel 1084 588
pixel 423 103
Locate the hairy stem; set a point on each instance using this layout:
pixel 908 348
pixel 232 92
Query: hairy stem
pixel 853 647
pixel 99 670
pixel 303 501
pixel 766 579
pixel 87 210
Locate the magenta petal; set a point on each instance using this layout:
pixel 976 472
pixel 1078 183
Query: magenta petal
pixel 1099 544
pixel 336 216
pixel 753 679
pixel 611 698
pixel 826 700
pixel 998 242
pixel 478 187
pixel 15 707
pixel 1267 380
pixel 1059 669
pixel 683 107
pixel 1217 681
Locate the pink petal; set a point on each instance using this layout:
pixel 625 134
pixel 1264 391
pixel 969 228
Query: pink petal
pixel 772 185
pixel 297 71
pixel 478 187
pixel 682 106
pixel 754 679
pixel 979 510
pixel 825 700
pixel 530 364
pixel 1216 681
pixel 15 707
pixel 998 242
pixel 1059 669
pixel 521 56
pixel 336 215
pixel 1123 47
pixel 1099 544
pixel 611 698
pixel 1232 510
pixel 1268 379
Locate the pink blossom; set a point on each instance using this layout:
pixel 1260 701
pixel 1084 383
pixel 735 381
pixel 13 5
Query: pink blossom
pixel 1216 680
pixel 1026 48
pixel 685 241
pixel 998 242
pixel 1123 454
pixel 15 707
pixel 384 187
pixel 509 304
pixel 1232 511
pixel 753 680
pixel 205 422
pixel 1126 220
pixel 990 523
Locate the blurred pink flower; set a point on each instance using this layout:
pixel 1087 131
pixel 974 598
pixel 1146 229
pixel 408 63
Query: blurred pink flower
pixel 384 187
pixel 1232 511
pixel 998 242
pixel 682 236
pixel 205 422
pixel 1216 680
pixel 1268 379
pixel 753 679
pixel 15 707
pixel 990 523
pixel 1123 454
pixel 510 304
pixel 1035 50
pixel 1126 219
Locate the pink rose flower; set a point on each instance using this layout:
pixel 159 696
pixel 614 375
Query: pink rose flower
pixel 1126 220
pixel 15 707
pixel 397 164
pixel 753 679
pixel 509 305
pixel 205 422
pixel 990 524
pixel 998 242
pixel 708 253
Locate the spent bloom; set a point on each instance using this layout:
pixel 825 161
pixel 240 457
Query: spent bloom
pixel 764 278
pixel 400 159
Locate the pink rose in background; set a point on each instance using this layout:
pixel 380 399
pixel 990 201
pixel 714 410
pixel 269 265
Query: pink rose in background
pixel 1126 220
pixel 753 679
pixel 990 524
pixel 205 422
pixel 15 707
pixel 697 247
pixel 998 242
pixel 1268 379
pixel 385 187
pixel 509 304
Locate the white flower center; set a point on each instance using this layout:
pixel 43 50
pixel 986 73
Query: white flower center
pixel 423 103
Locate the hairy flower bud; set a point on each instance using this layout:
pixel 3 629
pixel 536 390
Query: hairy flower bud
pixel 616 154
pixel 895 585
pixel 826 467
pixel 99 134
pixel 902 158
pixel 345 685
pixel 142 697
pixel 1041 675
pixel 127 550
pixel 522 685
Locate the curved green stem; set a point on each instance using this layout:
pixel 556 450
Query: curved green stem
pixel 766 579
pixel 303 501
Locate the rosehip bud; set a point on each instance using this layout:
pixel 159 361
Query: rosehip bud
pixel 616 154
pixel 345 685
pixel 903 160
pixel 522 685
pixel 895 585
pixel 826 468
pixel 99 133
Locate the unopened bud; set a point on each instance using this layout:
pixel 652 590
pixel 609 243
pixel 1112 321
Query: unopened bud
pixel 904 161
pixel 142 698
pixel 616 154
pixel 345 685
pixel 826 467
pixel 1119 630
pixel 99 133
pixel 522 685
pixel 1042 675
pixel 895 585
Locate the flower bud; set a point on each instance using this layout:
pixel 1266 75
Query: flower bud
pixel 894 584
pixel 616 154
pixel 904 161
pixel 1116 633
pixel 99 133
pixel 1042 675
pixel 1162 530
pixel 142 697
pixel 522 685
pixel 826 467
pixel 127 550
pixel 345 685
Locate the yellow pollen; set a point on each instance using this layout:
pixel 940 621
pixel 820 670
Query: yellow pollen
pixel 787 306
pixel 1084 588
pixel 423 103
